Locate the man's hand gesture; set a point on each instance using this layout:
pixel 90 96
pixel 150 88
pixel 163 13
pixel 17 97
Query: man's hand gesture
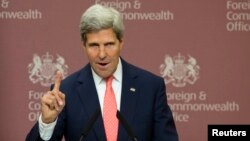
pixel 53 102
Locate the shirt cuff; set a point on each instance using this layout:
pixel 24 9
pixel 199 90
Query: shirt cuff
pixel 46 130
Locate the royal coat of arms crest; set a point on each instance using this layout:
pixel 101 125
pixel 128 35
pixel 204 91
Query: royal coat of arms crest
pixel 44 68
pixel 176 71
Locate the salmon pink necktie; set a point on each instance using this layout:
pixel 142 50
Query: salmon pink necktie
pixel 109 112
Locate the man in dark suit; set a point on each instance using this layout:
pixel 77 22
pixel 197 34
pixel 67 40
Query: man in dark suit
pixel 140 96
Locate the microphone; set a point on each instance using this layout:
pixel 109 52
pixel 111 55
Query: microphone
pixel 126 126
pixel 90 123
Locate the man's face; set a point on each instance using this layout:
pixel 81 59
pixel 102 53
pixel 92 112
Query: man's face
pixel 103 51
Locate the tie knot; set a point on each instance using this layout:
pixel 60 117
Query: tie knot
pixel 109 80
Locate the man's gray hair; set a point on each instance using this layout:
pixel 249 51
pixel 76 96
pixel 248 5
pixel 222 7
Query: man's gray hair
pixel 99 17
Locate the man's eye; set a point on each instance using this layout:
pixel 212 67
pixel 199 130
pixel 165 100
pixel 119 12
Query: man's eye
pixel 109 45
pixel 93 46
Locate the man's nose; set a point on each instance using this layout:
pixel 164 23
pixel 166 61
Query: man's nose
pixel 102 52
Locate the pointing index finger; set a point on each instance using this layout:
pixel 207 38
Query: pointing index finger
pixel 58 80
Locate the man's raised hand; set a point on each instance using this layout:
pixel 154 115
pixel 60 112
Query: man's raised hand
pixel 53 101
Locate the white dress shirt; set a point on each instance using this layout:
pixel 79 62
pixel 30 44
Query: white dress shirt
pixel 46 130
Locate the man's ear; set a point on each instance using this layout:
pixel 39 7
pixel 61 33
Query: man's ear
pixel 121 42
pixel 83 46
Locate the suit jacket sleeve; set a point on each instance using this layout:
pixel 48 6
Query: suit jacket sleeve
pixel 164 126
pixel 57 135
pixel 34 134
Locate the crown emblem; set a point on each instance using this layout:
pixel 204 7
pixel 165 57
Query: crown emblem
pixel 179 59
pixel 47 58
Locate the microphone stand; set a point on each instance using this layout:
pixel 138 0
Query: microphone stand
pixel 126 126
pixel 90 124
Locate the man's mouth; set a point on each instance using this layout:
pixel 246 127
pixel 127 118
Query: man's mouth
pixel 103 65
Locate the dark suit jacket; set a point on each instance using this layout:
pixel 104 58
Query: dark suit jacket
pixel 145 109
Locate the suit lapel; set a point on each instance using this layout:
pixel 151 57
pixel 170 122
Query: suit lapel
pixel 89 98
pixel 130 94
